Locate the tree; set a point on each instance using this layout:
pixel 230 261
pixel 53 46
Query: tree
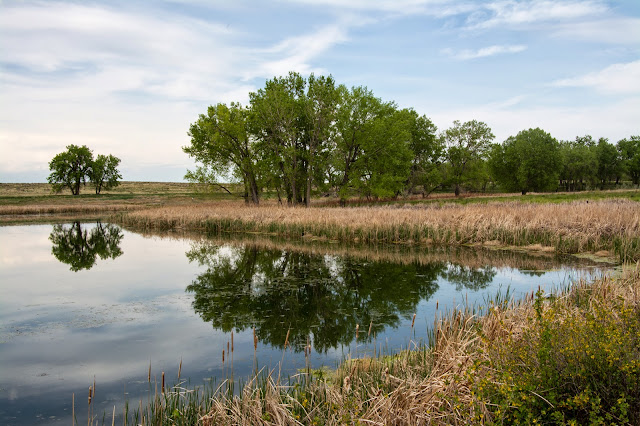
pixel 630 152
pixel 580 163
pixel 529 161
pixel 278 124
pixel 70 168
pixel 428 150
pixel 372 146
pixel 467 145
pixel 609 162
pixel 104 173
pixel 319 113
pixel 220 141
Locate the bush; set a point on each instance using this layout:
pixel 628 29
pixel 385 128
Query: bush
pixel 578 363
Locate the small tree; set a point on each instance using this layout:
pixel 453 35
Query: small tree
pixel 104 172
pixel 69 168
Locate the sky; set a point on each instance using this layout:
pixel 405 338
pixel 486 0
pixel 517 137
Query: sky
pixel 128 77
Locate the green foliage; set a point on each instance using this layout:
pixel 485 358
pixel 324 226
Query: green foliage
pixel 579 164
pixel 610 166
pixel 304 135
pixel 467 146
pixel 70 168
pixel 76 165
pixel 530 161
pixel 104 172
pixel 220 141
pixel 629 150
pixel 576 364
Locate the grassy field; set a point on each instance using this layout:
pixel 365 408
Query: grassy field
pixel 35 202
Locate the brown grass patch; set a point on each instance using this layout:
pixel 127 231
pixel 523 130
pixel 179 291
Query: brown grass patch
pixel 567 227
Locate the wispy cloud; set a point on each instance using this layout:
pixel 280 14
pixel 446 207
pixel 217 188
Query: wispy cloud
pixel 615 79
pixel 297 53
pixel 616 30
pixel 484 52
pixel 517 13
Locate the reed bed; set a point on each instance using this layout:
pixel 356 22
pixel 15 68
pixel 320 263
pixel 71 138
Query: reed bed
pixel 573 227
pixel 54 209
pixel 572 357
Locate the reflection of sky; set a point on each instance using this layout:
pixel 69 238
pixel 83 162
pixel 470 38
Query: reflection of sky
pixel 60 328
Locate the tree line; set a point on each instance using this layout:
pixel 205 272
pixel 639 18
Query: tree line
pixel 299 136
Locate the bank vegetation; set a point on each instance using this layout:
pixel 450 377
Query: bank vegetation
pixel 611 226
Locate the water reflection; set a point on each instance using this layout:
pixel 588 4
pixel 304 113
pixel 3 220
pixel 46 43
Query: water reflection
pixel 323 296
pixel 79 247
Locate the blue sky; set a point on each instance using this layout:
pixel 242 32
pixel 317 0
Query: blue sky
pixel 128 77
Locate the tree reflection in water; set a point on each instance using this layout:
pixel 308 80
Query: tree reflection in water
pixel 80 248
pixel 323 296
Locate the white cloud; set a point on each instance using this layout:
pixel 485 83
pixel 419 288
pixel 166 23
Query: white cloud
pixel 296 53
pixel 625 31
pixel 517 13
pixel 615 79
pixel 484 52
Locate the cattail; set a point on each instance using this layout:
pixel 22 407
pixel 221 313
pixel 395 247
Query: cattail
pixel 286 340
pixel 437 305
pixel 231 341
pixel 370 326
pixel 357 330
pixel 413 321
pixel 227 346
pixel 149 375
pixel 223 356
pixel 90 394
pixel 163 382
pixel 180 368
pixel 255 340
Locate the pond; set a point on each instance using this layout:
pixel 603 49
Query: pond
pixel 91 301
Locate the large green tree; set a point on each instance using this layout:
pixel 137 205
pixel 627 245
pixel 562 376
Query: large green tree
pixel 467 146
pixel 277 118
pixel 221 143
pixel 372 146
pixel 104 173
pixel 529 161
pixel 70 168
pixel 319 110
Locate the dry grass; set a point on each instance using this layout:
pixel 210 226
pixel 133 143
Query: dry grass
pixel 574 227
pixel 44 189
pixel 439 384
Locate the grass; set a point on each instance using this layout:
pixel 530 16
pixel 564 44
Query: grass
pixel 572 357
pixel 611 226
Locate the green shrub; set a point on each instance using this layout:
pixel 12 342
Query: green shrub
pixel 574 365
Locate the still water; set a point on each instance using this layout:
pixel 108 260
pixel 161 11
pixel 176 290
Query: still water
pixel 91 301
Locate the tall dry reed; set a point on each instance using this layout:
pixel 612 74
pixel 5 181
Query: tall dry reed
pixel 610 225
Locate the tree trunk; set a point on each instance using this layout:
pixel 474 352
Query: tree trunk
pixel 457 190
